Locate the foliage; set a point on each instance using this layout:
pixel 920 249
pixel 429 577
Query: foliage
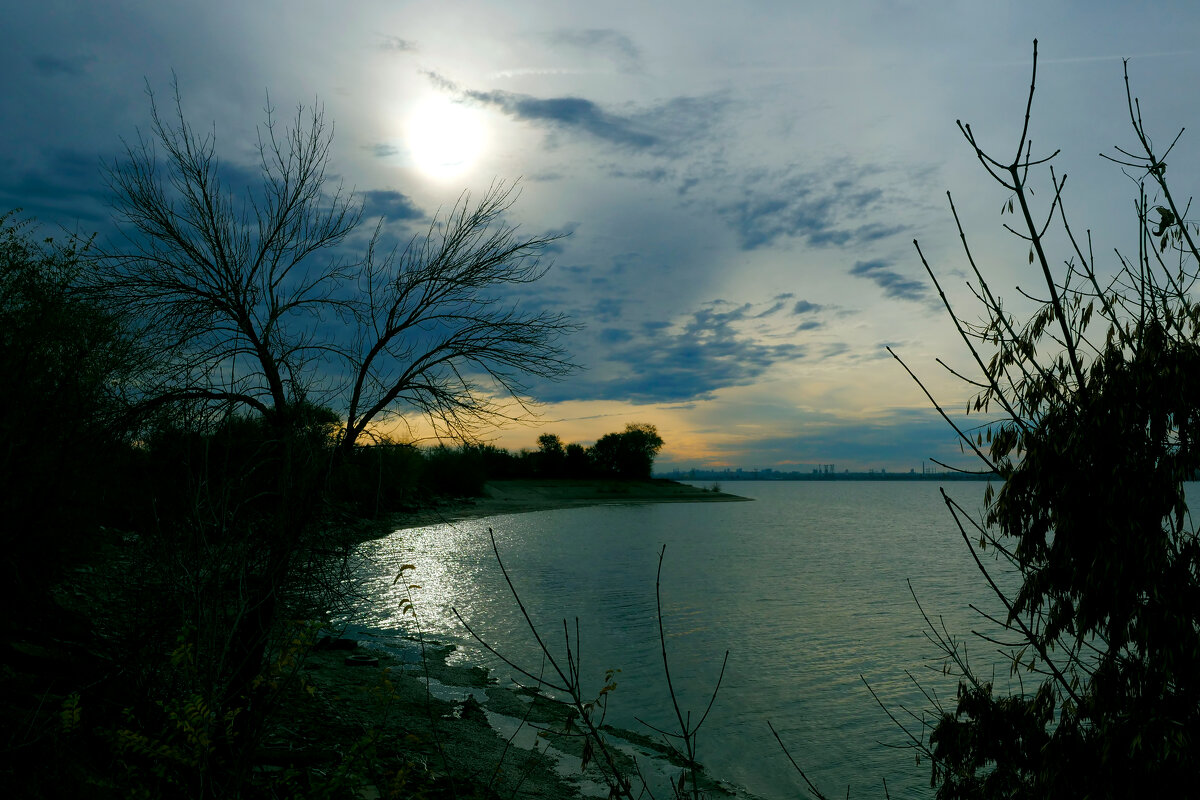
pixel 246 311
pixel 462 470
pixel 1098 431
pixel 456 472
pixel 629 454
pixel 576 464
pixel 552 456
pixel 376 478
pixel 62 357
pixel 168 408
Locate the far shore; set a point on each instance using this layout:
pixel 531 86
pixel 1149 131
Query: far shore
pixel 525 496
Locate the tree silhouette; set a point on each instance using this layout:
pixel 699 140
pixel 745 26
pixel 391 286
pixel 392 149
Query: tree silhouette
pixel 252 300
pixel 629 454
pixel 274 351
pixel 1099 428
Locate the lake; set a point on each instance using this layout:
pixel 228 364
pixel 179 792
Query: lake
pixel 807 588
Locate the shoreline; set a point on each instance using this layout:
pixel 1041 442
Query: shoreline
pixel 526 496
pixel 469 725
pixel 462 721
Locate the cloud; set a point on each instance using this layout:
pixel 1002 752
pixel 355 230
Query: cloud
pixel 59 186
pixel 893 283
pixel 761 219
pixel 53 66
pixel 898 439
pixel 389 204
pixel 612 42
pixel 807 205
pixel 658 362
pixel 382 149
pixel 394 44
pixel 874 231
pixel 653 175
pixel 606 309
pixel 834 350
pixel 615 336
pixel 664 128
pixel 570 113
pixel 825 207
pixel 777 306
pixel 805 307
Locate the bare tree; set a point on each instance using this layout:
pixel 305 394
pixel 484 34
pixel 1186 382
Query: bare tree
pixel 252 303
pixel 430 328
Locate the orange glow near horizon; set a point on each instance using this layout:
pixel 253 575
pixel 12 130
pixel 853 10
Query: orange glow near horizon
pixel 694 434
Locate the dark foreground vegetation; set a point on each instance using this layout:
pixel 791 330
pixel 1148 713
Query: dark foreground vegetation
pixel 191 446
pixel 180 497
pixel 1091 418
pixel 167 568
pixel 182 481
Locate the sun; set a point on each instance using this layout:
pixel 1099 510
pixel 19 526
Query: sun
pixel 444 138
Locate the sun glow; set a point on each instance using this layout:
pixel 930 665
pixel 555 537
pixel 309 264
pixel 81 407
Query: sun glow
pixel 444 138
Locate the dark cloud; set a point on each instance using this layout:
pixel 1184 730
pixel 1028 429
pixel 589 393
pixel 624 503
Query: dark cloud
pixel 665 128
pixel 570 113
pixel 817 207
pixel 655 364
pixel 793 208
pixel 775 307
pixel 805 307
pixel 893 283
pixel 558 238
pixel 761 219
pixel 685 119
pixel 835 238
pixel 59 187
pixel 606 309
pixel 391 205
pixel 874 231
pixel 615 336
pixel 780 302
pixel 861 200
pixel 53 66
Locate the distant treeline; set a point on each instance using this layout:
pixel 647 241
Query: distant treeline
pixel 390 476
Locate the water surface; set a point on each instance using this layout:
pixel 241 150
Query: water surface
pixel 807 588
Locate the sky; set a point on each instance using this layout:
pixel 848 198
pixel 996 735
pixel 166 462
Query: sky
pixel 741 183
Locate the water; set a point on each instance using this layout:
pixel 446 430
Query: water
pixel 807 588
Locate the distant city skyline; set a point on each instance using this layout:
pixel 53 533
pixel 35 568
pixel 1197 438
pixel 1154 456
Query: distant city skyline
pixel 741 183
